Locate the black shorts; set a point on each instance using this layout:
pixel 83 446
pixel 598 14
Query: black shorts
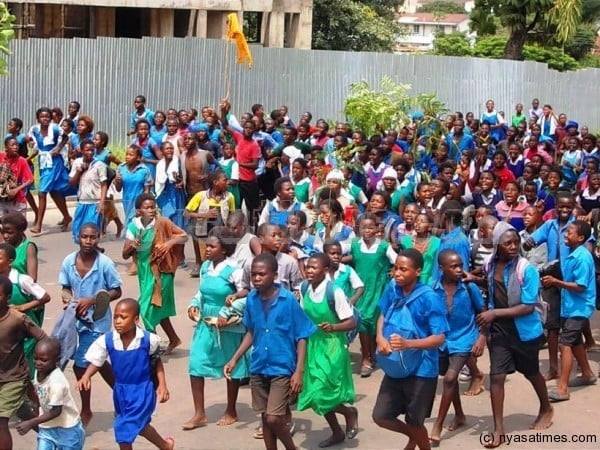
pixel 571 330
pixel 552 296
pixel 509 354
pixel 411 396
pixel 454 361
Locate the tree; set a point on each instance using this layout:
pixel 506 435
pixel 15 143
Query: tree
pixel 442 6
pixel 453 44
pixel 6 35
pixel 582 41
pixel 354 25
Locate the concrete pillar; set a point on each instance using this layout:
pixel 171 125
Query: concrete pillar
pixel 201 24
pixel 216 24
pixel 104 21
pixel 162 22
pixel 275 30
pixel 304 34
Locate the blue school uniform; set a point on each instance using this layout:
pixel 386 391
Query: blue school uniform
pixel 134 395
pixel 276 327
pixel 492 119
pixel 455 148
pixel 53 173
pixel 455 240
pixel 171 203
pixel 578 268
pixel 466 303
pixel 148 115
pixel 157 135
pixel 553 235
pixel 76 142
pixel 147 153
pixel 428 313
pixel 133 185
pixel 517 167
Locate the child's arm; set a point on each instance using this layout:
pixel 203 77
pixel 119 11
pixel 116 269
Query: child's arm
pixel 28 286
pixel 296 380
pixel 118 181
pixel 162 392
pixel 244 346
pixel 24 427
pixel 358 292
pixel 433 341
pixel 114 160
pixel 383 345
pixel 32 261
pixel 85 382
pixel 549 280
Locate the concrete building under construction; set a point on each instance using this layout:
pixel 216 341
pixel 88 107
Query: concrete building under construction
pixel 272 23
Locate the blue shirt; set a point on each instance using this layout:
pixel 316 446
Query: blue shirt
pixel 455 240
pixel 102 275
pixel 529 326
pixel 275 336
pixel 429 315
pixel 578 267
pixel 554 236
pixel 466 303
pixel 148 114
pixel 455 149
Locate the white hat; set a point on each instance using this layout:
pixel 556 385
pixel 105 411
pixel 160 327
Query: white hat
pixel 335 175
pixel 389 173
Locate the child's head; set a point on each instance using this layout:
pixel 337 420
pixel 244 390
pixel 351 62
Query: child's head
pixel 145 204
pixel 376 156
pixel 270 237
pixel 389 180
pixel 486 229
pixel 237 223
pixel 126 315
pixel 368 227
pixel 423 192
pixel 100 140
pixel 296 222
pixel 85 125
pixel 220 244
pixel 531 216
pixel 263 271
pixel 7 256
pixel 11 147
pixel 142 128
pixel 554 178
pixel 44 116
pixel 13 228
pixel 442 151
pixel 402 168
pixel 530 172
pixel 509 242
pixel 380 202
pixel 511 192
pixel 159 118
pixel 133 155
pixel 481 212
pixel 410 213
pixel 333 181
pixel 514 150
pixel 578 232
pixel 530 191
pixel 564 205
pixel 299 168
pixel 439 187
pixel 228 150
pixel 89 234
pixel 67 126
pixel 423 223
pixel 46 355
pixel 316 268
pixel 284 189
pixel 15 125
pixel 452 213
pixel 451 265
pixel 591 166
pixel 217 181
pixel 172 126
pixel 6 288
pixel 333 249
pixel 87 150
pixel 407 267
pixel 331 212
pixel 486 181
pixel 499 159
pixel 594 181
pixel 168 150
pixel 447 171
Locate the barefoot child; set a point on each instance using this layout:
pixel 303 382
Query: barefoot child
pixel 104 155
pixel 328 384
pixel 59 425
pixel 276 372
pixel 158 245
pixel 411 326
pixel 515 328
pixel 463 303
pixel 135 361
pixel 15 327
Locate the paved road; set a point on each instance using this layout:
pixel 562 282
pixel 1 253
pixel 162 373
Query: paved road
pixel 578 416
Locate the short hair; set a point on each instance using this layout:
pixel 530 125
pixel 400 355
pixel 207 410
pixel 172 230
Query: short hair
pixel 500 152
pixel 329 243
pixel 225 238
pixel 130 302
pixel 51 343
pixel 564 194
pixel 214 176
pixel 292 130
pixel 91 225
pixel 268 260
pixel 453 210
pixel 237 217
pixel 103 137
pixel 301 161
pixel 141 122
pixel 583 229
pixel 403 163
pixel 18 122
pixel 140 98
pixel 255 108
pixel 142 198
pixel 446 253
pixel 86 142
pixel 6 285
pixel 556 170
pixel 16 220
pixel 69 122
pixel 414 255
pixel 136 148
pixel 301 216
pixel 10 251
pixel 76 103
pixel 368 216
pixel 262 229
pixel 385 196
pixel 322 258
pixel 279 183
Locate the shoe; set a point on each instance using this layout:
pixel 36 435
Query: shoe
pixel 581 381
pixel 102 304
pixel 366 371
pixel 555 397
pixel 465 374
pixel 183 265
pixel 258 434
pixel 352 432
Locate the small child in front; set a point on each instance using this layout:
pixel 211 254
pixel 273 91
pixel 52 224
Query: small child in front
pixel 278 329
pixel 411 326
pixel 59 426
pixel 133 353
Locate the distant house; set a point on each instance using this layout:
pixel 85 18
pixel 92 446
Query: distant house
pixel 420 29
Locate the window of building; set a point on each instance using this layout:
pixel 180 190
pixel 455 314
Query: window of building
pixel 416 29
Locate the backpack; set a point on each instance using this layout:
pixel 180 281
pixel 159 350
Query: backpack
pixel 398 320
pixel 329 296
pixel 541 306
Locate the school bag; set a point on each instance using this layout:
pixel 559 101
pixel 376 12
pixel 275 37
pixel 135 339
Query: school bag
pixel 329 296
pixel 398 320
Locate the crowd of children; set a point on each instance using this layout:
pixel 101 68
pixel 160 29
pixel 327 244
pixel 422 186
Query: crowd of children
pixel 492 240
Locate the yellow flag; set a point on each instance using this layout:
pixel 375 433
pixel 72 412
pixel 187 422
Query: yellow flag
pixel 235 32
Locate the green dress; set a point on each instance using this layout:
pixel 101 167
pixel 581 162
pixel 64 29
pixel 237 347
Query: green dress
pixel 152 315
pixel 327 372
pixel 302 190
pixel 212 348
pixel 227 167
pixel 373 269
pixel 429 256
pixel 20 262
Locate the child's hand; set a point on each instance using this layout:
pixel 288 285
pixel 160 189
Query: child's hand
pixel 549 281
pixel 193 313
pixel 221 322
pixel 296 383
pixel 229 300
pixel 478 347
pixel 83 304
pixel 212 213
pixel 163 248
pixel 398 342
pixel 162 393
pixel 85 384
pixel 327 327
pixel 24 427
pixel 485 318
pixel 228 368
pixel 383 346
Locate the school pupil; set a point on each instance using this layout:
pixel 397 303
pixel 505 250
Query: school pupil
pixel 15 328
pixel 299 237
pixel 371 258
pixel 104 155
pixel 135 360
pixel 231 168
pixel 578 299
pixel 463 303
pixel 328 384
pixel 14 226
pixel 17 178
pixel 247 245
pixel 342 275
pixel 275 374
pixel 276 211
pixel 331 226
pixel 59 425
pixel 168 186
pixel 411 325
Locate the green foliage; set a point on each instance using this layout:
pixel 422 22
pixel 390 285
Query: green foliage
pixel 442 6
pixel 7 33
pixel 370 110
pixel 566 16
pixel 582 41
pixel 592 61
pixel 354 25
pixel 490 47
pixel 453 44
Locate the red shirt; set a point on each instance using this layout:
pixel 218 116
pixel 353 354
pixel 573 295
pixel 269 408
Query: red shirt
pixel 21 171
pixel 245 152
pixel 505 175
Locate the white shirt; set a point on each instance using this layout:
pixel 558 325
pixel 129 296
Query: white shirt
pixel 265 214
pixel 354 279
pixel 97 354
pixel 343 310
pixel 390 253
pixel 55 391
pixel 26 284
pixel 236 276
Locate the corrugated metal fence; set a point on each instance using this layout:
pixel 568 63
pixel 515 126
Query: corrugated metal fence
pixel 105 74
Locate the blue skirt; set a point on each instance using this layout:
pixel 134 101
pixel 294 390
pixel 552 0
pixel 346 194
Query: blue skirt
pixel 134 405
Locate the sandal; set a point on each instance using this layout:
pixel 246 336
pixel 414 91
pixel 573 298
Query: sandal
pixel 258 434
pixel 353 431
pixel 366 370
pixel 555 397
pixel 582 381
